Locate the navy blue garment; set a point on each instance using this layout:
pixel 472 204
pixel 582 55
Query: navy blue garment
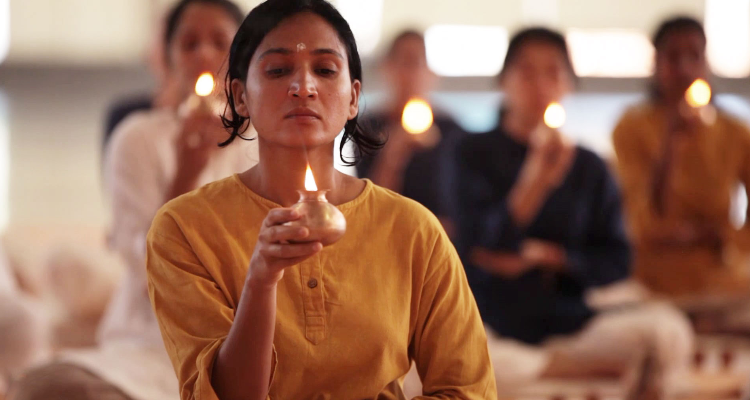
pixel 430 175
pixel 121 109
pixel 583 215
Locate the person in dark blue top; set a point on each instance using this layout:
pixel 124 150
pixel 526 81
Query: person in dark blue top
pixel 421 167
pixel 541 224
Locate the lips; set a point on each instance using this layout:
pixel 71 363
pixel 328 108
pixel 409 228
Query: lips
pixel 302 112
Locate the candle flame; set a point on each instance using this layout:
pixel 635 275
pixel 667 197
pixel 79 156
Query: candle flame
pixel 698 94
pixel 205 84
pixel 310 185
pixel 417 117
pixel 554 116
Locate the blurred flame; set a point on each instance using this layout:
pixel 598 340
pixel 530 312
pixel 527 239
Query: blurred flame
pixel 205 84
pixel 417 117
pixel 698 94
pixel 554 116
pixel 310 185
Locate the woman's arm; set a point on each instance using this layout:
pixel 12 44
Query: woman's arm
pixel 449 345
pixel 220 351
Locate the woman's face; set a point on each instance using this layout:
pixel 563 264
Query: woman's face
pixel 538 76
pixel 680 60
pixel 299 92
pixel 407 71
pixel 200 43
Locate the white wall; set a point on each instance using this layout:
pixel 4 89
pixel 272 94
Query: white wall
pixel 107 32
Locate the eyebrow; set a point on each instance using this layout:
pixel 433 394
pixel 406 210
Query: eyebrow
pixel 286 52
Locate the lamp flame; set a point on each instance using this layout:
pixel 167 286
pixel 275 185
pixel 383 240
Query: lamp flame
pixel 698 94
pixel 417 117
pixel 310 185
pixel 205 84
pixel 554 115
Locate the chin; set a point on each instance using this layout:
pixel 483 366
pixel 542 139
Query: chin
pixel 306 137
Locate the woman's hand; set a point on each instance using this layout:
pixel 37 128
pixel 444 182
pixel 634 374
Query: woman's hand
pixel 199 137
pixel 200 134
pixel 549 159
pixel 542 253
pixel 274 252
pixel 545 168
pixel 533 253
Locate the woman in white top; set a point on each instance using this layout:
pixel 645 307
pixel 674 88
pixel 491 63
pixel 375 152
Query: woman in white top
pixel 154 156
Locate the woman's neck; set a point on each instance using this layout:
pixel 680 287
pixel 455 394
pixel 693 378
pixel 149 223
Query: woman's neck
pixel 280 173
pixel 519 126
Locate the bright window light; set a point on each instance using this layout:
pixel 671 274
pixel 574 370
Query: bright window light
pixel 466 50
pixel 4 29
pixel 540 12
pixel 366 19
pixel 611 53
pixel 728 32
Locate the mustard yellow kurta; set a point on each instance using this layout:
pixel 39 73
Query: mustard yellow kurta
pixel 706 170
pixel 349 320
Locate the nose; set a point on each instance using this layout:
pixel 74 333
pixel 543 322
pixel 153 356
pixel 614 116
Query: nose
pixel 206 56
pixel 303 85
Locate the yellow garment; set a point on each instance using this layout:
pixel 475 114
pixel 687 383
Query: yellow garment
pixel 706 170
pixel 392 290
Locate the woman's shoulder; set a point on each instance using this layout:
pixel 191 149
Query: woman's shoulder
pixel 733 125
pixel 637 114
pixel 403 211
pixel 212 202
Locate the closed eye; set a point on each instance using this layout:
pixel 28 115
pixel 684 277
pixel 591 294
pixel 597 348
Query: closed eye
pixel 326 71
pixel 276 72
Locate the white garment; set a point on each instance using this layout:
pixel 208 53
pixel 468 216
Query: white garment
pixel 140 164
pixel 611 340
pixel 7 280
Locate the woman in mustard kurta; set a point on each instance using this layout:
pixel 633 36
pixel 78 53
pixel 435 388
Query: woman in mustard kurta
pixel 247 307
pixel 678 176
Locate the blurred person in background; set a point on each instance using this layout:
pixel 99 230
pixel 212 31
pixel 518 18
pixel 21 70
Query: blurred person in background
pixel 154 157
pixel 165 95
pixel 24 328
pixel 679 173
pixel 540 226
pixel 419 166
pixel 253 307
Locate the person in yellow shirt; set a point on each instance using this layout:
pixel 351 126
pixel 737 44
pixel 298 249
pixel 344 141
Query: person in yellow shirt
pixel 248 307
pixel 679 173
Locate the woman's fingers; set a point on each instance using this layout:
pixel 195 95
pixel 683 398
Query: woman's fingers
pixel 279 216
pixel 284 233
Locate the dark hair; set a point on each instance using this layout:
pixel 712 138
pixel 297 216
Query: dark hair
pixel 262 20
pixel 404 35
pixel 175 15
pixel 536 35
pixel 676 25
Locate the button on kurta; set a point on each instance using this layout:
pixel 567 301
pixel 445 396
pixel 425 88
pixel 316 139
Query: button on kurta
pixel 312 283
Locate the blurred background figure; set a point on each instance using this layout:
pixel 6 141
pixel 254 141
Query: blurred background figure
pixel 167 89
pixel 155 156
pixel 679 173
pixel 541 224
pixel 24 328
pixel 421 165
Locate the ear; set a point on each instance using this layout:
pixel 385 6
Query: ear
pixel 239 96
pixel 354 104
